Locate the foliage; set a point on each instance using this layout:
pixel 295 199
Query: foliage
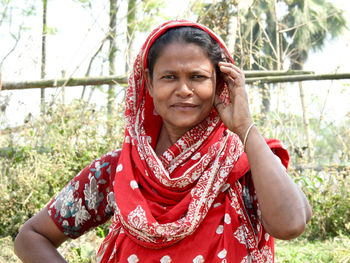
pixel 46 155
pixel 49 151
pixel 149 14
pixel 329 195
pixel 83 249
pixel 80 250
pixel 309 23
pixel 324 179
pixel 268 32
pixel 302 250
pixel 217 16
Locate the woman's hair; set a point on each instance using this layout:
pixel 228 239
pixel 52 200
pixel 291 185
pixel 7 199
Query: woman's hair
pixel 190 35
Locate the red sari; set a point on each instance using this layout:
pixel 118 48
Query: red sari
pixel 195 203
pixel 186 205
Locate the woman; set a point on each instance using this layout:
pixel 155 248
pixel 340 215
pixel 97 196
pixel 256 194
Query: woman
pixel 194 181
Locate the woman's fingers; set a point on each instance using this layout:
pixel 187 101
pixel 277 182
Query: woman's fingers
pixel 231 66
pixel 232 74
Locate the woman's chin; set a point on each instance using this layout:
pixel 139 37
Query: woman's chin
pixel 183 124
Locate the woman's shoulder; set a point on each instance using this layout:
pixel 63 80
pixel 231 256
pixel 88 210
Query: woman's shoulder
pixel 112 156
pixel 100 171
pixel 87 200
pixel 105 165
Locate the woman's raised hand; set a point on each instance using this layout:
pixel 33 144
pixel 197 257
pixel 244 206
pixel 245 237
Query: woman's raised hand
pixel 236 115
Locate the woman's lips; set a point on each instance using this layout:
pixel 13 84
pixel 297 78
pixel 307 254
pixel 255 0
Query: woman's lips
pixel 183 106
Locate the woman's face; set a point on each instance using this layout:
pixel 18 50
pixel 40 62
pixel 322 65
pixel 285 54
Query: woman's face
pixel 182 86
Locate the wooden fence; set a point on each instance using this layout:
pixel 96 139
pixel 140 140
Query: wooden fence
pixel 252 77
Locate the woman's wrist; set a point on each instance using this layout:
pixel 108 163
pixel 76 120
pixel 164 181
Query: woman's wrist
pixel 242 130
pixel 246 135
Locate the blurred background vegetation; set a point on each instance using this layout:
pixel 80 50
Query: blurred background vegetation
pixel 40 154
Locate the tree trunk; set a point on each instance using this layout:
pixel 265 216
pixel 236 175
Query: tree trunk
pixel 265 101
pixel 130 31
pixel 297 64
pixel 63 91
pixel 111 60
pixel 43 56
pixel 306 122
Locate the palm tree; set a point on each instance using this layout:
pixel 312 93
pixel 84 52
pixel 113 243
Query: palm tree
pixel 265 39
pixel 309 24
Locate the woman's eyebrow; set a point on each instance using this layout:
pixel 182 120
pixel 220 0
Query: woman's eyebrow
pixel 166 71
pixel 200 71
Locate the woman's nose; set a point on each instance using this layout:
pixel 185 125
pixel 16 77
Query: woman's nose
pixel 184 89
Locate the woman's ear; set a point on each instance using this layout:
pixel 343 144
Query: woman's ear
pixel 149 82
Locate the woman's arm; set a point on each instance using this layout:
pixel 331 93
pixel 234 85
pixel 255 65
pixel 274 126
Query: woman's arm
pixel 40 236
pixel 284 207
pixel 38 239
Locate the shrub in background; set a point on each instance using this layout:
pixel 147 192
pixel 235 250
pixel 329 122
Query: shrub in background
pixel 46 154
pixel 329 196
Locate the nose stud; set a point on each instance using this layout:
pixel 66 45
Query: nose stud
pixel 192 90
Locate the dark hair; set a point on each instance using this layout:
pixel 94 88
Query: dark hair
pixel 186 35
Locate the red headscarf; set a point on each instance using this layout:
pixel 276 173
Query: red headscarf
pixel 161 201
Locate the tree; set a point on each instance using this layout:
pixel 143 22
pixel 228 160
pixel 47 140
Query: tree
pixel 43 54
pixel 130 31
pixel 9 9
pixel 111 57
pixel 270 32
pixel 217 16
pixel 309 24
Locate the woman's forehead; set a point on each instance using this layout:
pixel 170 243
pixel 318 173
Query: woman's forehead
pixel 178 47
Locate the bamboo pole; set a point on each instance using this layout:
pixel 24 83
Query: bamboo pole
pixel 93 81
pixel 55 83
pixel 266 73
pixel 296 78
pixel 329 167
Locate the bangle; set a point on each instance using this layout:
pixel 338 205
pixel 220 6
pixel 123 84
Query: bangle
pixel 246 135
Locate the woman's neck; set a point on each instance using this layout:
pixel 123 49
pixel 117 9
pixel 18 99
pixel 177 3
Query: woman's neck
pixel 166 139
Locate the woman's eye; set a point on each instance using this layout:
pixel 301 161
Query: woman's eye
pixel 169 77
pixel 198 77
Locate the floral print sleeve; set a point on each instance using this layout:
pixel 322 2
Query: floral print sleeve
pixel 87 200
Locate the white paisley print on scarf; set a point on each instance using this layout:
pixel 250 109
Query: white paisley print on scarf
pixel 137 218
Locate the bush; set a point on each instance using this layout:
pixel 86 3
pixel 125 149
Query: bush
pixel 329 196
pixel 46 154
pixel 38 161
pixel 326 186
